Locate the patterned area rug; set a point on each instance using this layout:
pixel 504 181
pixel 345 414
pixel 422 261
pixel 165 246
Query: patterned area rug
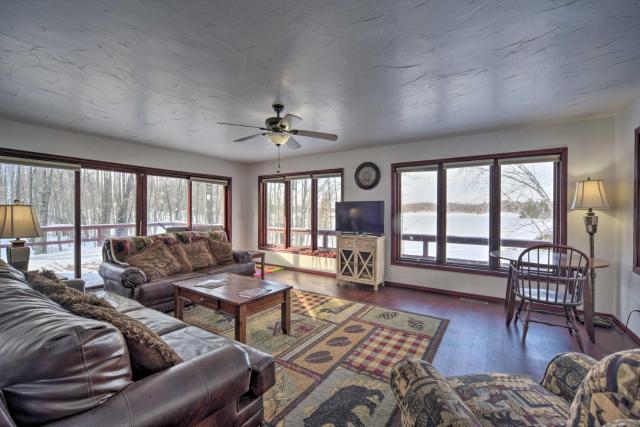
pixel 333 368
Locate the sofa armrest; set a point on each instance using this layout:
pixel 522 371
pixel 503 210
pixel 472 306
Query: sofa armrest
pixel 242 257
pixel 125 275
pixel 425 398
pixel 565 373
pixel 182 395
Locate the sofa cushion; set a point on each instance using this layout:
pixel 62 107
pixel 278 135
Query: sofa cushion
pixel 120 303
pixel 160 290
pixel 155 261
pixel 198 254
pixel 54 364
pixel 147 352
pixel 246 269
pixel 505 399
pixel 218 235
pixel 221 251
pixel 157 321
pixel 177 250
pixel 122 247
pixel 191 342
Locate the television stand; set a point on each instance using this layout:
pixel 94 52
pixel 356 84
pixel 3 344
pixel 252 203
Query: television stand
pixel 360 259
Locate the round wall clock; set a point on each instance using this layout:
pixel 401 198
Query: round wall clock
pixel 367 175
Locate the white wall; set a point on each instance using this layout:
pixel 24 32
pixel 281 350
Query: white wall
pixel 41 139
pixel 591 153
pixel 629 285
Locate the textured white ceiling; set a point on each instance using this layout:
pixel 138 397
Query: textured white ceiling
pixel 374 72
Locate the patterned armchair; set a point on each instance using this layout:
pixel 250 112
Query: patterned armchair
pixel 576 391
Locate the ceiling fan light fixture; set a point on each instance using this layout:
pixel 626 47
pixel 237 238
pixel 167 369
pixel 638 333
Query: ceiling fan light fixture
pixel 278 138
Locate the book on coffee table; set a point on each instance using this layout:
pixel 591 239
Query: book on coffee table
pixel 253 292
pixel 199 282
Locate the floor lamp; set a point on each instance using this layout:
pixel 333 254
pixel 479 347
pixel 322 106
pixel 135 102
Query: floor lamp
pixel 590 195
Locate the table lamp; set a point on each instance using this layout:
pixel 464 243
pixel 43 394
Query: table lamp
pixel 16 221
pixel 590 195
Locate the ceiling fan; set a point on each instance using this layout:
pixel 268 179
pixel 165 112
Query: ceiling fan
pixel 280 132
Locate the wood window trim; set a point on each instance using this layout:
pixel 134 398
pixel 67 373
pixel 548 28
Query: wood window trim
pixel 636 202
pixel 493 269
pixel 262 208
pixel 140 173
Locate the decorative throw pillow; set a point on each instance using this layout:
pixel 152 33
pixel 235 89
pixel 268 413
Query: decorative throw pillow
pixel 47 283
pixel 147 352
pixel 198 254
pixel 177 250
pixel 221 251
pixel 156 262
pixel 218 235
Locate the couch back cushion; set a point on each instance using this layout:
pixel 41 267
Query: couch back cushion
pixel 610 391
pixel 156 261
pixel 199 255
pixel 54 364
pixel 221 251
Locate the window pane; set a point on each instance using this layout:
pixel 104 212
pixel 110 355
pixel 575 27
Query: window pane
pixel 51 192
pixel 275 221
pixel 468 215
pixel 166 203
pixel 527 204
pixel 418 214
pixel 207 204
pixel 329 192
pixel 301 212
pixel 108 208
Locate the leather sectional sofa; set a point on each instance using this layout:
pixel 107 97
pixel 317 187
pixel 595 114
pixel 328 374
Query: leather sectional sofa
pixel 123 279
pixel 60 369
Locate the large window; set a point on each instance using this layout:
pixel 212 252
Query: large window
pixel 275 213
pixel 207 203
pixel 451 213
pixel 80 202
pixel 297 211
pixel 329 191
pixel 50 190
pixel 167 203
pixel 108 209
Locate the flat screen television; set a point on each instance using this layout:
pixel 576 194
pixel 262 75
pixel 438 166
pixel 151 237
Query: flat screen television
pixel 360 217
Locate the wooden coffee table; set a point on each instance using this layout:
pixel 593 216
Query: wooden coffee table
pixel 230 298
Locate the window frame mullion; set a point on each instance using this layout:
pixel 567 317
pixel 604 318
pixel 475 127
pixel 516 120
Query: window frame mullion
pixel 494 212
pixel 441 216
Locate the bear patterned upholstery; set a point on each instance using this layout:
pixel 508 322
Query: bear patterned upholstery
pixel 576 391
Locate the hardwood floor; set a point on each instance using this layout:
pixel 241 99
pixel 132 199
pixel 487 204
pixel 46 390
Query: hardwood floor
pixel 477 339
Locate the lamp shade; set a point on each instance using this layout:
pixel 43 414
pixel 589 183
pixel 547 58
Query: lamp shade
pixel 590 195
pixel 17 221
pixel 278 138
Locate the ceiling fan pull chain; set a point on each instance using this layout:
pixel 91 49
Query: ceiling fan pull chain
pixel 278 159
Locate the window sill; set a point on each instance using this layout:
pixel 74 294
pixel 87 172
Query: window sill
pixel 301 251
pixel 456 268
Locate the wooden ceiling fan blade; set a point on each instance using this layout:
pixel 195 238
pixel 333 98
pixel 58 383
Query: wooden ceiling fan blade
pixel 293 144
pixel 246 138
pixel 244 126
pixel 312 134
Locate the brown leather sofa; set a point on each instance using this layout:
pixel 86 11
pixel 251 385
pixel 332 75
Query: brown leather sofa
pixel 59 369
pixel 131 282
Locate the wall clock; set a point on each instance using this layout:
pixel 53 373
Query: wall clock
pixel 367 175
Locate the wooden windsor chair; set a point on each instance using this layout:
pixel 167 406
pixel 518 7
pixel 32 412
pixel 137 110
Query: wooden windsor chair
pixel 553 276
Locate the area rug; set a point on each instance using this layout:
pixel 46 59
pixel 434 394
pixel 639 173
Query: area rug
pixel 268 269
pixel 334 366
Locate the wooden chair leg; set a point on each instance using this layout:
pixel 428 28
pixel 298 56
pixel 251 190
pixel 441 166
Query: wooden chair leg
pixel 567 315
pixel 520 305
pixel 572 319
pixel 526 321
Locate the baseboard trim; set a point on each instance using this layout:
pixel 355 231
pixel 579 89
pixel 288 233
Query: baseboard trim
pixel 304 270
pixel 445 292
pixel 617 322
